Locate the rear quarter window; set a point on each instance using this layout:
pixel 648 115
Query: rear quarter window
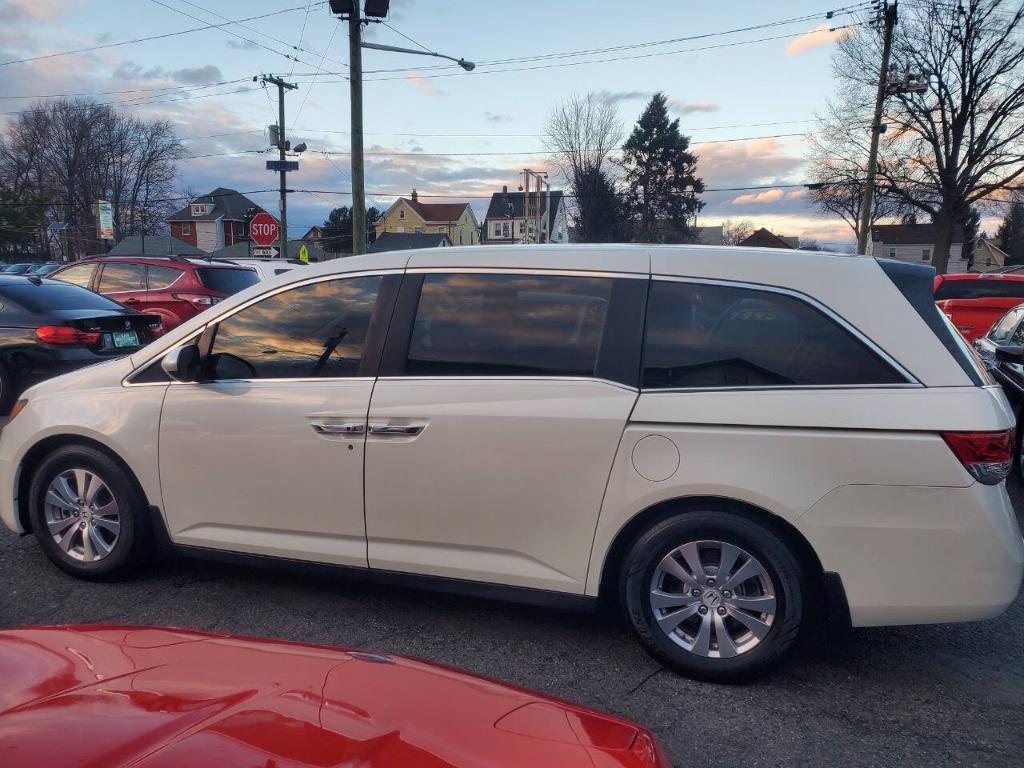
pixel 713 336
pixel 227 280
pixel 979 289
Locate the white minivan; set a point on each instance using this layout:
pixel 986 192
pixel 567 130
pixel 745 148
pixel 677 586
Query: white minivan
pixel 732 443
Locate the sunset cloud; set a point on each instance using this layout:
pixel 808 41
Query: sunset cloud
pixel 689 107
pixel 768 196
pixel 820 36
pixel 423 84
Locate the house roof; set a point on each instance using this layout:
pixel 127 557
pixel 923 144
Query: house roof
pixel 227 204
pixel 154 245
pixel 241 251
pixel 440 213
pixel 313 232
pixel 403 241
pixel 762 238
pixel 498 208
pixel 909 234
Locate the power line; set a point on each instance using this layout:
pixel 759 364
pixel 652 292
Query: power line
pixel 319 69
pixel 125 90
pixel 150 38
pixel 133 102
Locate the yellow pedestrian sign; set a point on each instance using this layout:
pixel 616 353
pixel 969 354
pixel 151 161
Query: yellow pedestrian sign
pixel 304 254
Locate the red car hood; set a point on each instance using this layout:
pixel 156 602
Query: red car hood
pixel 106 697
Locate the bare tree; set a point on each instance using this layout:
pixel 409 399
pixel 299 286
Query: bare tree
pixel 73 153
pixel 836 158
pixel 581 133
pixel 963 139
pixel 734 232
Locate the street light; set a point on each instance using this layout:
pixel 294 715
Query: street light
pixel 375 10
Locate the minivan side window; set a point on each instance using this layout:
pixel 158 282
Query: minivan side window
pixel 312 331
pixel 508 325
pixel 712 336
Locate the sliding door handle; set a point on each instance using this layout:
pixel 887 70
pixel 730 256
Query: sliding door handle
pixel 338 428
pixel 385 429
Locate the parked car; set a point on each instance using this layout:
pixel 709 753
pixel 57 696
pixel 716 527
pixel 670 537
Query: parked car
pixel 46 268
pixel 48 327
pixel 1002 351
pixel 267 268
pixel 174 288
pixel 974 301
pixel 150 696
pixel 18 269
pixel 732 447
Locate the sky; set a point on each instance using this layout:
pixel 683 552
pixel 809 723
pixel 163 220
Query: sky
pixel 746 102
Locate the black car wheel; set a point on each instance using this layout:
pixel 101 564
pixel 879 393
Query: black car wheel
pixel 7 393
pixel 88 514
pixel 713 595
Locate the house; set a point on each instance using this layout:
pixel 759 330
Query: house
pixel 407 215
pixel 505 220
pixel 153 245
pixel 713 235
pixel 762 238
pixel 214 221
pixel 915 243
pixel 988 256
pixel 403 241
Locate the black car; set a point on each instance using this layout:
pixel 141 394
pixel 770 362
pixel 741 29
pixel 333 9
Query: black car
pixel 1002 352
pixel 49 327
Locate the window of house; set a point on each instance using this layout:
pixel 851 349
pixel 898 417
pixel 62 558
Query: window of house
pixel 988 261
pixel 418 230
pixel 703 336
pixel 80 274
pixel 508 325
pixel 199 209
pixel 892 253
pixel 162 277
pixel 312 331
pixel 118 277
pixel 401 213
pixel 186 228
pixel 926 254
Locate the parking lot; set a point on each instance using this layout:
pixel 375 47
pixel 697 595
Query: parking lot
pixel 928 695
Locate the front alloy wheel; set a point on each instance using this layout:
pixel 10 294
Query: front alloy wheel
pixel 82 515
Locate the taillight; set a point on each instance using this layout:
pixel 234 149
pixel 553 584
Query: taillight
pixel 65 334
pixel 197 299
pixel 988 456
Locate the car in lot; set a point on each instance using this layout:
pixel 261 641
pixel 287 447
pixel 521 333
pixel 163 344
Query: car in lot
pixel 730 446
pixel 45 269
pixel 174 288
pixel 48 328
pixel 1002 352
pixel 267 268
pixel 19 269
pixel 152 696
pixel 974 301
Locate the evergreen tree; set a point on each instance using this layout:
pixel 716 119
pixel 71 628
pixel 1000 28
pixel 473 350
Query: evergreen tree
pixel 338 228
pixel 661 177
pixel 971 227
pixel 1011 231
pixel 600 209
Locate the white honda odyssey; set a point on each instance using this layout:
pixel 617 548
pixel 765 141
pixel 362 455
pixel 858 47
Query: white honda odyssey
pixel 731 443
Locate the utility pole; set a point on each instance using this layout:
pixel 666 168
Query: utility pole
pixel 355 74
pixel 282 146
pixel 536 214
pixel 889 20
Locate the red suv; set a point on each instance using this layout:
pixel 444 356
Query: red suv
pixel 175 288
pixel 975 300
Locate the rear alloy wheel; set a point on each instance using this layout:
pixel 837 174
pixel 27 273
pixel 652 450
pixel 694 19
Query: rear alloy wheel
pixel 88 514
pixel 713 595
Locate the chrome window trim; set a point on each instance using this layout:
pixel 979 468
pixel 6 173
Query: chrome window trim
pixel 782 387
pixel 910 379
pixel 255 300
pixel 524 271
pixel 508 379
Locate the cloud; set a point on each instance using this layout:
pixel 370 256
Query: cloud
pixel 689 107
pixel 768 196
pixel 129 70
pixel 198 75
pixel 616 97
pixel 32 10
pixel 243 45
pixel 494 117
pixel 423 84
pixel 820 36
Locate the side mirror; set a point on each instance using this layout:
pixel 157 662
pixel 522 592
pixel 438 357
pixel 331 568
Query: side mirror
pixel 1009 354
pixel 182 364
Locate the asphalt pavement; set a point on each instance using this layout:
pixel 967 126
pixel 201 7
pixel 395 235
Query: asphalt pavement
pixel 940 695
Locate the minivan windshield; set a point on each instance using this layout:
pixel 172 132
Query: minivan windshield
pixel 980 289
pixel 226 279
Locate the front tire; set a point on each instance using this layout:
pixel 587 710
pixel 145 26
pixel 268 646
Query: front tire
pixel 88 514
pixel 713 595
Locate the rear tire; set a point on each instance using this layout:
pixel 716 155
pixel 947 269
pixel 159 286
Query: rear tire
pixel 88 514
pixel 7 393
pixel 705 622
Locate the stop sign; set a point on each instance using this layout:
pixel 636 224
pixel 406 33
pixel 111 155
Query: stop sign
pixel 263 229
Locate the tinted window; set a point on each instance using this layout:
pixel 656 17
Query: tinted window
pixel 980 289
pixel 508 325
pixel 226 280
pixel 716 336
pixel 315 330
pixel 122 277
pixel 79 275
pixel 1003 329
pixel 55 295
pixel 161 277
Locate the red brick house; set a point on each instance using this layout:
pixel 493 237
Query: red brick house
pixel 215 220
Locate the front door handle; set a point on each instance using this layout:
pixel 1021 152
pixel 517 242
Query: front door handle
pixel 132 300
pixel 338 428
pixel 387 429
